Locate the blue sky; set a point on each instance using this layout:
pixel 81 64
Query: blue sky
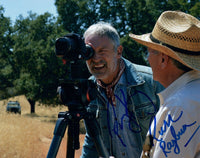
pixel 13 8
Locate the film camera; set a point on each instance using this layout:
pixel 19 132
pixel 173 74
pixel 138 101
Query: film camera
pixel 76 91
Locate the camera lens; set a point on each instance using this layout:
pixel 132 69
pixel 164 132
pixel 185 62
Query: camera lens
pixel 72 47
pixel 63 45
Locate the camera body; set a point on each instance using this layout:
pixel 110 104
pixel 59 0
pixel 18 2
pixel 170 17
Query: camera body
pixel 73 48
pixel 77 91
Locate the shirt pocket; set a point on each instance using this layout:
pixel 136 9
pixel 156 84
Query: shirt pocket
pixel 145 115
pixel 145 111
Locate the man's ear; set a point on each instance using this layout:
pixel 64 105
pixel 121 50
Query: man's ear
pixel 119 50
pixel 164 60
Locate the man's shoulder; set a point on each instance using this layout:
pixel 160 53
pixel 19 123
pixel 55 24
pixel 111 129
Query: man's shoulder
pixel 142 74
pixel 141 69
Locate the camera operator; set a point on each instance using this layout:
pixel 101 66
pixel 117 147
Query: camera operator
pixel 127 96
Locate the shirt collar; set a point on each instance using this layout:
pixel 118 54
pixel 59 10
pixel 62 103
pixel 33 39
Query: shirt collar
pixel 178 83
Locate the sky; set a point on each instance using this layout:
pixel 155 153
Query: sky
pixel 13 8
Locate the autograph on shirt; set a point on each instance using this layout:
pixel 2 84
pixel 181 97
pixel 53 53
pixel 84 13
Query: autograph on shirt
pixel 118 123
pixel 173 144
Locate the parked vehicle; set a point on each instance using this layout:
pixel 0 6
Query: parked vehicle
pixel 14 107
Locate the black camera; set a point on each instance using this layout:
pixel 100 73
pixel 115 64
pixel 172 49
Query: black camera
pixel 72 47
pixel 75 91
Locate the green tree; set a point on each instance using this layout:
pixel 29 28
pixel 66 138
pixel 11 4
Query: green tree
pixel 117 12
pixel 40 69
pixel 8 72
pixel 137 16
pixel 28 62
pixel 76 15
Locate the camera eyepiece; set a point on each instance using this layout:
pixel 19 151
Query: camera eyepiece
pixel 89 52
pixel 72 47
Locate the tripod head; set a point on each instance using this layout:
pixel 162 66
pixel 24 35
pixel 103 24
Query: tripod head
pixel 77 94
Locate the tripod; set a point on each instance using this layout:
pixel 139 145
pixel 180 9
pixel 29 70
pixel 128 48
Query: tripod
pixel 71 119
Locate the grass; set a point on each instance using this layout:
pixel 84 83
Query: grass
pixel 28 135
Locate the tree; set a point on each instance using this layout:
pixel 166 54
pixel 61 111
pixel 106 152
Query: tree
pixel 8 72
pixel 28 62
pixel 34 38
pixel 77 15
pixel 137 16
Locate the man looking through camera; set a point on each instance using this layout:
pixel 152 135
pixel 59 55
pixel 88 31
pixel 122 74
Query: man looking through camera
pixel 126 99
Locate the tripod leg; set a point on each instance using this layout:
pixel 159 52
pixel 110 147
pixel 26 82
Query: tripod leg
pixel 59 132
pixel 73 138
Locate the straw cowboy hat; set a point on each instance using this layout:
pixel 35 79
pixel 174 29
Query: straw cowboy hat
pixel 177 35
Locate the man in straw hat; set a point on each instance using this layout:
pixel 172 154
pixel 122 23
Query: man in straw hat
pixel 174 55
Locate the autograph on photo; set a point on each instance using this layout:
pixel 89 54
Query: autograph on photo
pixel 173 144
pixel 118 124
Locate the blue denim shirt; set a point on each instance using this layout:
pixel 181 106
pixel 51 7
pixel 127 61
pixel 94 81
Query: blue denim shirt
pixel 123 127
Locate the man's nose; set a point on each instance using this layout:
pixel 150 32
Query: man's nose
pixel 96 56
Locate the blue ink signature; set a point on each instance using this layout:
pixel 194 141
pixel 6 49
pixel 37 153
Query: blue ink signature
pixel 173 144
pixel 118 124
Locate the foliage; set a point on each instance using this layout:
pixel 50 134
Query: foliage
pixel 7 66
pixel 28 62
pixel 137 16
pixel 34 38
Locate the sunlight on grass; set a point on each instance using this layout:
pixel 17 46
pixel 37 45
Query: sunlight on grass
pixel 22 137
pixel 27 135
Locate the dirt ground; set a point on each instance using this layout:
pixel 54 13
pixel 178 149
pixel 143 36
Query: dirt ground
pixel 62 150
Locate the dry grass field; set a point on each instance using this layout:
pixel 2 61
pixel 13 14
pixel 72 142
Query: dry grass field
pixel 30 135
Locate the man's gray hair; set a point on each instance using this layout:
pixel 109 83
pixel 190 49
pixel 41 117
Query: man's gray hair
pixel 104 29
pixel 180 65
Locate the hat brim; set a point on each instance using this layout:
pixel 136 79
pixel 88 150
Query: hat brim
pixel 191 61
